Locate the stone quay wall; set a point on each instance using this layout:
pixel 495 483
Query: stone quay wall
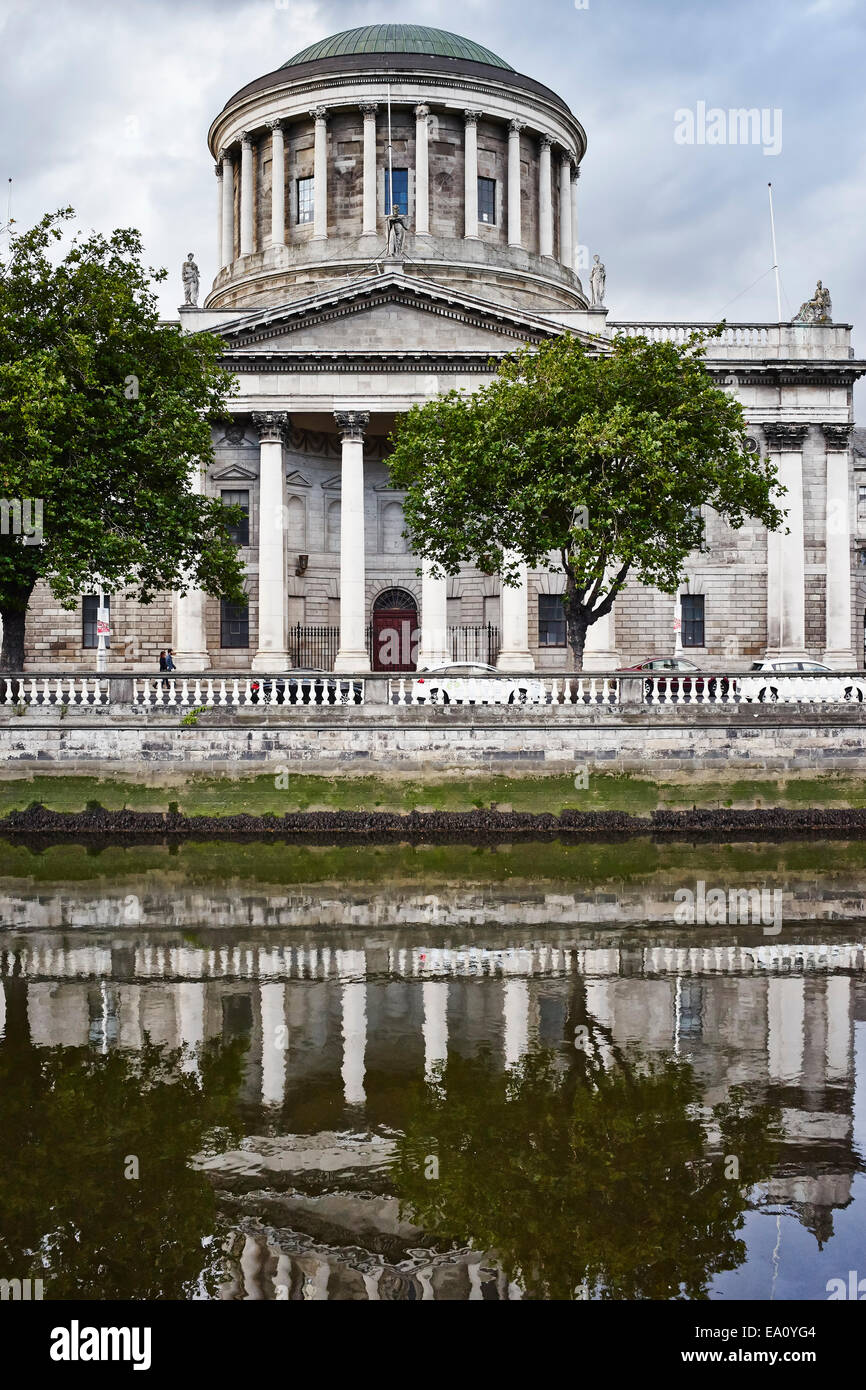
pixel 680 743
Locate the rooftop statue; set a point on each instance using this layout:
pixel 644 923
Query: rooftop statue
pixel 597 279
pixel 818 309
pixel 396 231
pixel 189 275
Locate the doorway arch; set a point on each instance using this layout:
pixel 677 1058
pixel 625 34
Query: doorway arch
pixel 395 630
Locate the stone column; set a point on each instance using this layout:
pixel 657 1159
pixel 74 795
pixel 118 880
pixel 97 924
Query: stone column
pixel 218 170
pixel 278 185
pixel 565 251
pixel 515 237
pixel 227 243
pixel 838 651
pixel 433 648
pixel 786 573
pixel 422 175
pixel 368 227
pixel 470 179
pixel 600 653
pixel 272 1003
pixel 545 199
pixel 352 655
pixel 354 1002
pixel 247 235
pixel 272 652
pixel 515 1009
pixel 189 637
pixel 435 1027
pixel 514 653
pixel 575 241
pixel 320 175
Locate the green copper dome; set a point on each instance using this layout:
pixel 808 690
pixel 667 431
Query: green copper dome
pixel 398 38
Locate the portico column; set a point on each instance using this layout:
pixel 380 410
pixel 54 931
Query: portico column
pixel 433 648
pixel 218 170
pixel 278 185
pixel 246 195
pixel 272 653
pixel 352 655
pixel 575 242
pixel 189 636
pixel 227 243
pixel 600 653
pixel 320 175
pixel 514 653
pixel 368 226
pixel 470 182
pixel 545 199
pixel 565 254
pixel 514 217
pixel 786 573
pixel 422 178
pixel 838 651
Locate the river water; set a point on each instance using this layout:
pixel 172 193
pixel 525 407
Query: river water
pixel 250 1071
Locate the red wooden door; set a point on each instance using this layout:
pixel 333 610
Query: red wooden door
pixel 395 639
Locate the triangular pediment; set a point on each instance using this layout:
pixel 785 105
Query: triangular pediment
pixel 296 479
pixel 234 473
pixel 385 314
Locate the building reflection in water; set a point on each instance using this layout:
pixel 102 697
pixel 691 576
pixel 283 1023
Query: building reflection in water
pixel 337 1022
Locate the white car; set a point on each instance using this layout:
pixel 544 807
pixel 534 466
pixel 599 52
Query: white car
pixel 473 683
pixel 770 683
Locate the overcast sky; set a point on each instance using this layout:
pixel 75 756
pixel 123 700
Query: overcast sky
pixel 105 104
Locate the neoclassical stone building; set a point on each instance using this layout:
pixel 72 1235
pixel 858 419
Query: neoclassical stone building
pixel 334 322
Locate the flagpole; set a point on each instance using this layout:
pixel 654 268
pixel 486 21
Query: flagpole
pixel 775 255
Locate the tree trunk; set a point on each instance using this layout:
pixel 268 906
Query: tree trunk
pixel 12 651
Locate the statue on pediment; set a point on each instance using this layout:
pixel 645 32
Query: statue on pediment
pixel 597 282
pixel 189 275
pixel 396 231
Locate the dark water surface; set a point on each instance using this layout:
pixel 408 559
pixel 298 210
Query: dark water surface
pixel 414 1072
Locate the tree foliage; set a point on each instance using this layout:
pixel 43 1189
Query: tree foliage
pixel 105 415
pixel 592 463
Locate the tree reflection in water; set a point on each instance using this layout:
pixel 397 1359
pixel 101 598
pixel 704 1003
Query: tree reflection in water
pixel 71 1120
pixel 599 1175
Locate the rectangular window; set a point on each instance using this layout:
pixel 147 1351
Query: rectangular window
pixel 89 611
pixel 234 624
pixel 693 619
pixel 551 621
pixel 401 190
pixel 239 533
pixel 861 503
pixel 487 200
pixel 306 199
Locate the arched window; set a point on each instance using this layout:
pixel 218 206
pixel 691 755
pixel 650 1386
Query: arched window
pixel 332 528
pixel 296 524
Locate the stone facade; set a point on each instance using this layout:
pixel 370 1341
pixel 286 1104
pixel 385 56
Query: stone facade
pixel 321 325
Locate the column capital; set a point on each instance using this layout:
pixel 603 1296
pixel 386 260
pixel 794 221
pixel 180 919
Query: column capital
pixel 837 437
pixel 225 154
pixel 278 123
pixel 319 113
pixel 422 111
pixel 218 170
pixel 545 141
pixel 516 126
pixel 246 140
pixel 369 109
pixel 352 424
pixel 575 173
pixel 565 158
pixel 272 425
pixel 785 436
pixel 472 117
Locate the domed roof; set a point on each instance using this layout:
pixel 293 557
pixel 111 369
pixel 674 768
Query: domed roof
pixel 398 38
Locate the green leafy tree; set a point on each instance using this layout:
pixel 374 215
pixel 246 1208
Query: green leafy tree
pixel 593 464
pixel 592 1173
pixel 105 413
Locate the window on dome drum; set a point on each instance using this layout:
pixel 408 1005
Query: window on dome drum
pixel 89 607
pixel 240 533
pixel 306 193
pixel 487 200
pixel 692 607
pixel 551 621
pixel 401 190
pixel 861 503
pixel 234 624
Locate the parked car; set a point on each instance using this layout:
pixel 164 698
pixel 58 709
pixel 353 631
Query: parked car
pixel 473 683
pixel 304 688
pixel 661 679
pixel 769 683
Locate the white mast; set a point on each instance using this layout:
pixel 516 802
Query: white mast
pixel 775 255
pixel 390 209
